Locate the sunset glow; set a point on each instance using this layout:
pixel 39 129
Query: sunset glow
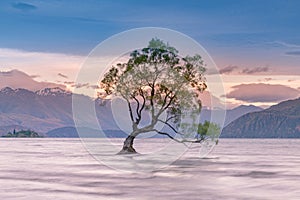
pixel 249 42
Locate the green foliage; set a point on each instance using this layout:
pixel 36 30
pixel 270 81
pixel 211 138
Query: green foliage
pixel 158 80
pixel 156 43
pixel 22 134
pixel 208 130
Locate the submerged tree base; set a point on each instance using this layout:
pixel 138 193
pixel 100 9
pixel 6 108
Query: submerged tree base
pixel 127 151
pixel 128 146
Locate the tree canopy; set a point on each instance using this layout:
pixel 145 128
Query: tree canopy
pixel 157 80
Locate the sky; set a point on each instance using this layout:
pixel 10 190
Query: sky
pixel 254 43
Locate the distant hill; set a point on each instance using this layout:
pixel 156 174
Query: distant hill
pixel 44 110
pixel 231 114
pixel 10 128
pixel 278 121
pixel 22 134
pixel 71 132
pixel 239 111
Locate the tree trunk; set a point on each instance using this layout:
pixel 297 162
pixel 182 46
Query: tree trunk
pixel 128 146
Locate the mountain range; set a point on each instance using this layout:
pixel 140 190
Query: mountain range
pixel 49 112
pixel 278 121
pixel 43 110
pixel 230 114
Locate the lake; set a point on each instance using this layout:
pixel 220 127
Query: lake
pixel 63 169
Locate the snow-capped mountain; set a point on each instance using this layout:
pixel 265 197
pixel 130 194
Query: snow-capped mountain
pixel 7 90
pixel 44 110
pixel 53 92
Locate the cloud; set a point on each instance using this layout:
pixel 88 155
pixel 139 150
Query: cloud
pixel 289 46
pixel 72 84
pixel 284 44
pixel 268 79
pixel 62 75
pixel 18 79
pixel 233 69
pixel 255 70
pixel 265 80
pixel 69 82
pixel 35 76
pixel 94 87
pixel 24 6
pixel 262 93
pixel 229 69
pixel 292 53
pixel 47 65
pixel 80 85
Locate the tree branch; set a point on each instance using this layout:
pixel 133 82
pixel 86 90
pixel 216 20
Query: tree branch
pixel 167 106
pixel 130 109
pixel 137 109
pixel 170 136
pixel 179 141
pixel 172 117
pixel 169 125
pixel 151 100
pixel 144 101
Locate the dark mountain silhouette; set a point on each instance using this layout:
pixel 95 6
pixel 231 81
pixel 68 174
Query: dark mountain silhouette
pixel 72 132
pixel 278 121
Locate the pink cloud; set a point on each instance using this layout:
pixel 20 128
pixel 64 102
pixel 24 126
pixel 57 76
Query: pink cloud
pixel 265 79
pixel 233 69
pixel 94 86
pixel 35 76
pixel 80 85
pixel 69 82
pixel 229 69
pixel 62 75
pixel 255 70
pixel 268 79
pixel 262 93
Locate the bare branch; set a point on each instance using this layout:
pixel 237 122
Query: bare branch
pixel 169 125
pixel 179 141
pixel 144 101
pixel 130 109
pixel 137 109
pixel 172 117
pixel 165 99
pixel 151 101
pixel 170 136
pixel 167 106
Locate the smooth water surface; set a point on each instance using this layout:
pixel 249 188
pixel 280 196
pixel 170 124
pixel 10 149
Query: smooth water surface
pixel 62 169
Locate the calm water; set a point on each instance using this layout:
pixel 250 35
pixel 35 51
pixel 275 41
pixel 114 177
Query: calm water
pixel 58 169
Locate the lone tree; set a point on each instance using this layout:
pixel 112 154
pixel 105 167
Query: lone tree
pixel 157 81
